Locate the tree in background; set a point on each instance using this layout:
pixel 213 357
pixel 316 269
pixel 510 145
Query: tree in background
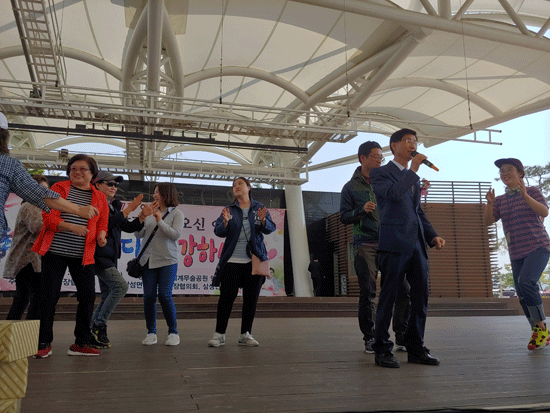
pixel 506 277
pixel 37 171
pixel 540 177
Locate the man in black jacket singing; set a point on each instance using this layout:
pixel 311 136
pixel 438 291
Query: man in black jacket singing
pixel 113 286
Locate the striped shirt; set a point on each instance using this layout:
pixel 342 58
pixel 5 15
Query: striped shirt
pixel 67 243
pixel 523 227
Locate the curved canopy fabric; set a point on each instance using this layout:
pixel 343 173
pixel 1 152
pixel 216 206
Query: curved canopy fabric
pixel 265 83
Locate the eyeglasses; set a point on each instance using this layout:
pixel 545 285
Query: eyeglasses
pixel 378 157
pixel 111 184
pixel 81 170
pixel 505 170
pixel 411 141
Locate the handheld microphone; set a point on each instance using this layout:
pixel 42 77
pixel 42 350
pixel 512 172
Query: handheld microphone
pixel 426 162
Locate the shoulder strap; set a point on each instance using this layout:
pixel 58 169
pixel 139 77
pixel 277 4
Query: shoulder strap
pixel 244 229
pixel 150 237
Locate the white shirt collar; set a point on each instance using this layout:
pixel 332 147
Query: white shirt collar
pixel 401 167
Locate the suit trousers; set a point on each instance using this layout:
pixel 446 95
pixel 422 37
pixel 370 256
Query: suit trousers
pixel 395 268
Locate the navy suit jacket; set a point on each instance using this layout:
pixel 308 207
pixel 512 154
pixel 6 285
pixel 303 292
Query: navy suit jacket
pixel 402 220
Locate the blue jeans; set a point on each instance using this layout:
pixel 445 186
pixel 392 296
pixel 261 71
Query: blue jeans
pixel 527 272
pixel 113 287
pixel 159 282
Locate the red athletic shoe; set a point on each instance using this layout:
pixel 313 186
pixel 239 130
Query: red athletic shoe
pixel 43 353
pixel 84 350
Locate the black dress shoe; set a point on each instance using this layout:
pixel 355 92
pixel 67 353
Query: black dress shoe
pixel 423 358
pixel 386 360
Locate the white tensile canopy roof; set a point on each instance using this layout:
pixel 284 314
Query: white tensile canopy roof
pixel 265 83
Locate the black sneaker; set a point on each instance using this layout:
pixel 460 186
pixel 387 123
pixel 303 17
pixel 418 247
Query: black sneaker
pixel 102 336
pixel 99 337
pixel 98 344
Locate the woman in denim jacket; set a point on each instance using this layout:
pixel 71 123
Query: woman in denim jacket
pixel 234 269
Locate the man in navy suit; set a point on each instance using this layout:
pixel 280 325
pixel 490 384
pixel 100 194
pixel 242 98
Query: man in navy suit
pixel 404 233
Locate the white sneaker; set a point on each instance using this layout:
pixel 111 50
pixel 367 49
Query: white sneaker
pixel 246 339
pixel 172 340
pixel 217 340
pixel 149 340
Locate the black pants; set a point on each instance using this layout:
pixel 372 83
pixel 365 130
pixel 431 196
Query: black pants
pixel 233 277
pixel 53 270
pixel 366 268
pixel 27 287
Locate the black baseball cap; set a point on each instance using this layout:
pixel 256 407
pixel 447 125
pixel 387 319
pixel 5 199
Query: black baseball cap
pixel 103 176
pixel 510 161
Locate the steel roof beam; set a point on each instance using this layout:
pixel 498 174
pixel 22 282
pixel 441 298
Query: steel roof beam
pixel 154 43
pixel 407 17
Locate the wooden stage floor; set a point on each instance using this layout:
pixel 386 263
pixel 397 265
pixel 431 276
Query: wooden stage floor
pixel 302 365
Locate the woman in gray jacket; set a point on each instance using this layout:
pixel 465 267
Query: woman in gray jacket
pixel 160 261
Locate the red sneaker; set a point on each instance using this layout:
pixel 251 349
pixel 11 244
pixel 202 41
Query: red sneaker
pixel 43 353
pixel 82 350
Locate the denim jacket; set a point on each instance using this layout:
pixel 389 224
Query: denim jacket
pixel 233 229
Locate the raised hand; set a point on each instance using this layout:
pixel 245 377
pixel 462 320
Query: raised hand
pixel 490 196
pixel 262 213
pixel 135 203
pixel 417 161
pixel 158 215
pixel 226 214
pixel 521 187
pixel 146 210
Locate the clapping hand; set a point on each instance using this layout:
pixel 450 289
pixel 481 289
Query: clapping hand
pixel 262 213
pixel 226 214
pixel 156 210
pixel 146 210
pixel 521 188
pixel 135 203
